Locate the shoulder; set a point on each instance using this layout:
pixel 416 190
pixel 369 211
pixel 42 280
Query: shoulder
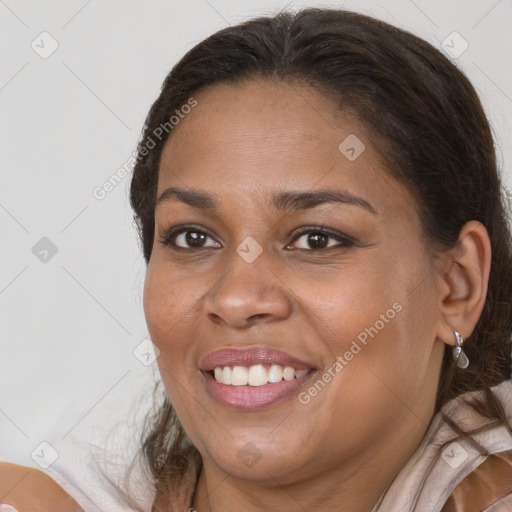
pixel 487 487
pixel 30 490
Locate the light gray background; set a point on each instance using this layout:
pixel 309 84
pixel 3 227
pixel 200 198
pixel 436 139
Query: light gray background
pixel 69 325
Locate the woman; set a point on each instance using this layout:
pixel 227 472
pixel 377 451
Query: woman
pixel 329 275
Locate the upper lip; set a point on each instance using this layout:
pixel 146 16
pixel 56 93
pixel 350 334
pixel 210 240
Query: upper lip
pixel 250 357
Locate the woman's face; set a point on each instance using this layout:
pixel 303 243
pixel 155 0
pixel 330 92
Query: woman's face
pixel 306 266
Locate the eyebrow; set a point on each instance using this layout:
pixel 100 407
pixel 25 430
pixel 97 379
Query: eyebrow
pixel 283 201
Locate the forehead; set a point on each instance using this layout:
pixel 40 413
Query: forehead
pixel 259 136
pixel 241 119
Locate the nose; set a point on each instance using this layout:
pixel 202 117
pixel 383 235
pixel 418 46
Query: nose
pixel 248 294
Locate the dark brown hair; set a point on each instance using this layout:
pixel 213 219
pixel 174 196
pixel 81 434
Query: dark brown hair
pixel 428 124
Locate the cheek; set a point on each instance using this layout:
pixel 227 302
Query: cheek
pixel 156 303
pixel 168 311
pixel 345 303
pixel 378 315
pixel 389 338
pixel 166 300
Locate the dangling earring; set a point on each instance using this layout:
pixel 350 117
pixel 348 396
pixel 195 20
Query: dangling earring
pixel 458 354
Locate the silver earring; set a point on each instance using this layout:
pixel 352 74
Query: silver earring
pixel 458 354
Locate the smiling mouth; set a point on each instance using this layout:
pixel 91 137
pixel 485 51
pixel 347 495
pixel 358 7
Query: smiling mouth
pixel 256 375
pixel 244 396
pixel 253 378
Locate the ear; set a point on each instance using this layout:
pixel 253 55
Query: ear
pixel 462 282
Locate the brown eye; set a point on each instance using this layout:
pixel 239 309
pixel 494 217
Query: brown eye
pixel 318 239
pixel 189 238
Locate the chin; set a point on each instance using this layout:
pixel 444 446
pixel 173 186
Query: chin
pixel 255 458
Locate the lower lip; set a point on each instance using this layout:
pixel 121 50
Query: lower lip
pixel 250 398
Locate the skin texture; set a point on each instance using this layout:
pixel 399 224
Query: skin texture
pixel 243 143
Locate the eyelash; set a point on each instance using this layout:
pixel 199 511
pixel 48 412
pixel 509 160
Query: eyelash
pixel 345 241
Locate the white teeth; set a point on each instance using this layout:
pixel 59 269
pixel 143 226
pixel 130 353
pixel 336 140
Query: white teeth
pixel 289 373
pixel 256 375
pixel 239 376
pixel 226 375
pixel 275 374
